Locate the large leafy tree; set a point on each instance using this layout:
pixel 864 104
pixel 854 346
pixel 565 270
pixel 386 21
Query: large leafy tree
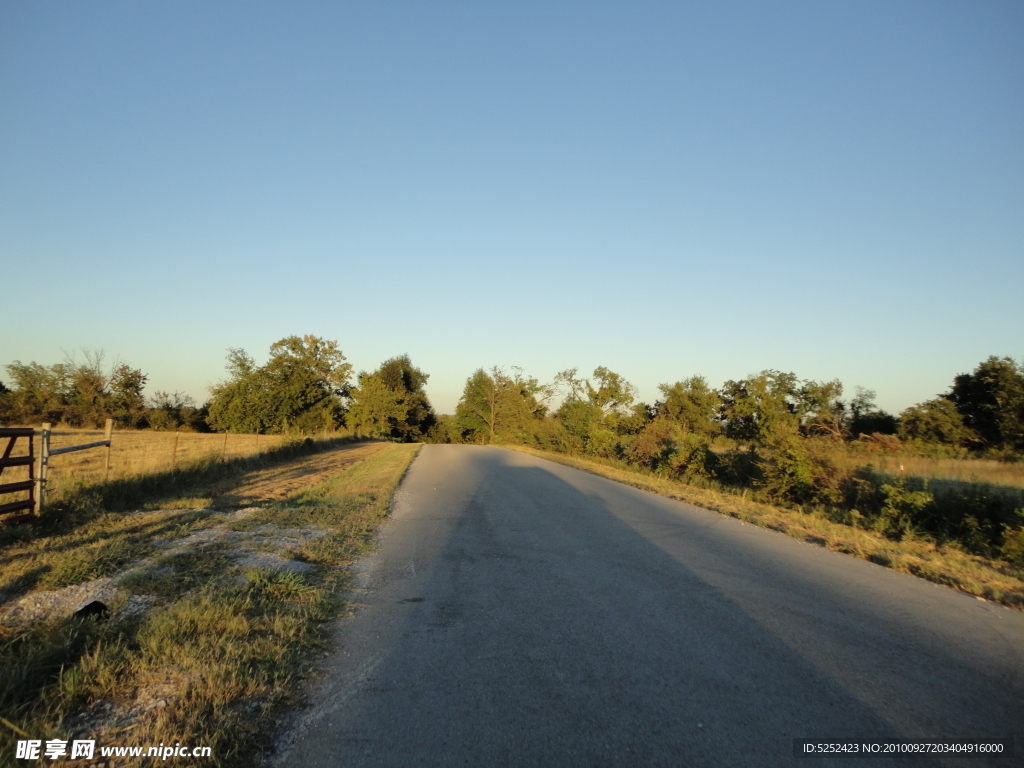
pixel 691 404
pixel 991 401
pixel 391 402
pixel 757 407
pixel 501 406
pixel 592 410
pixel 175 410
pixel 820 410
pixel 303 386
pixel 935 421
pixel 125 394
pixel 605 390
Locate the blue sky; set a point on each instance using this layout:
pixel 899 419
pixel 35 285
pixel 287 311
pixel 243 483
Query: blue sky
pixel 665 189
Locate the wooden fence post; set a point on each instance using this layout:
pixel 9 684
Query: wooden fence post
pixel 34 493
pixel 224 449
pixel 44 462
pixel 107 435
pixel 174 456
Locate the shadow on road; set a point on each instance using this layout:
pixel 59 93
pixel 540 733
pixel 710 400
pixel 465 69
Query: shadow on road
pixel 549 631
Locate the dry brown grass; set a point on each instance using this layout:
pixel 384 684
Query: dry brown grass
pixel 132 453
pixel 990 579
pixel 1005 473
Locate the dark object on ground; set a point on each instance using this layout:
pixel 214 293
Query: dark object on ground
pixel 94 609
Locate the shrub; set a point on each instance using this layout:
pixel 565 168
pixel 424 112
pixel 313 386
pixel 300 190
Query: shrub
pixel 693 458
pixel 902 511
pixel 1012 549
pixel 654 445
pixel 804 470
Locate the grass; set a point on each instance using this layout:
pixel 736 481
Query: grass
pixel 219 648
pixel 904 463
pixel 994 580
pixel 134 453
pixel 1001 473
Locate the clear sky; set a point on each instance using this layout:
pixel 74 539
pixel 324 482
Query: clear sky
pixel 666 189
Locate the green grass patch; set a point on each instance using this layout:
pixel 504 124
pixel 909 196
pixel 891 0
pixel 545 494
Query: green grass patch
pixel 181 572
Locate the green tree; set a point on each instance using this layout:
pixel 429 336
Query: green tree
pixel 175 410
pixel 500 406
pixel 38 392
pixel 820 410
pixel 691 404
pixel 866 418
pixel 240 403
pixel 991 401
pixel 634 422
pixel 127 402
pixel 584 429
pixel 304 385
pixel 391 402
pixel 935 421
pixel 593 409
pixel 5 404
pixel 76 393
pixel 755 408
pixel 377 408
pixel 89 397
pixel 606 390
pixel 445 430
pixel 655 444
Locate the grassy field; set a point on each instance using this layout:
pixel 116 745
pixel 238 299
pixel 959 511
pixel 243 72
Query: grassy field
pixel 1007 474
pixel 993 580
pixel 133 452
pixel 1001 473
pixel 218 580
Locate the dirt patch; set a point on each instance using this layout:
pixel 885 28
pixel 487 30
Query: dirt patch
pixel 37 606
pixel 266 547
pixel 286 479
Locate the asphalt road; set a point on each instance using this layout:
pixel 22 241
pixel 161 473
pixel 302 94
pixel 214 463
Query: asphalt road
pixel 519 612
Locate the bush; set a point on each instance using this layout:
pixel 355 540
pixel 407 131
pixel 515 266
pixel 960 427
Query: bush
pixel 693 458
pixel 902 511
pixel 803 470
pixel 1012 549
pixel 654 445
pixel 739 467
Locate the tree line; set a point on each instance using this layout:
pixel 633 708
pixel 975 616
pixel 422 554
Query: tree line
pixel 784 439
pixel 305 386
pixel 982 413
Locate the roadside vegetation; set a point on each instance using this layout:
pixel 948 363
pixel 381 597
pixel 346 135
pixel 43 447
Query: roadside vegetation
pixel 216 580
pixel 937 491
pixel 947 473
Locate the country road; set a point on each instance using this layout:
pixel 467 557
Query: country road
pixel 519 612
